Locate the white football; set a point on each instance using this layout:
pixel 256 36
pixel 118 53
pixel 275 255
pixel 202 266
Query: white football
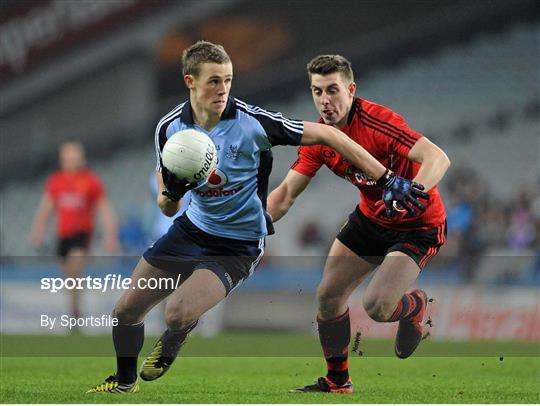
pixel 190 154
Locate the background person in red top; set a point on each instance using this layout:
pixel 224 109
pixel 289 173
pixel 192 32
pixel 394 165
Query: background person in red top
pixel 399 240
pixel 75 193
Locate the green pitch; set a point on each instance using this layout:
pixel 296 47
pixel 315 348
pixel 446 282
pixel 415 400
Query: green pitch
pixel 266 379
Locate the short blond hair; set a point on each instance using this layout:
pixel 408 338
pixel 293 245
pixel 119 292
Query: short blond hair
pixel 202 52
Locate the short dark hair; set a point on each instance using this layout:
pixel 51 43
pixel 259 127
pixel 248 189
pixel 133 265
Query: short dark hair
pixel 202 52
pixel 327 64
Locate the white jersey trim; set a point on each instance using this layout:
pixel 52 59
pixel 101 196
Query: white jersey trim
pixel 165 120
pixel 296 126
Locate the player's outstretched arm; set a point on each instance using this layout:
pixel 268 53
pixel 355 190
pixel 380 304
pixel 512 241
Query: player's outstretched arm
pixel 395 188
pixel 434 162
pixel 167 206
pixel 315 133
pixel 46 207
pixel 282 198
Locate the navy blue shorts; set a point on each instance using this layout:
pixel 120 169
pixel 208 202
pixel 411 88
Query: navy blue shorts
pixel 185 248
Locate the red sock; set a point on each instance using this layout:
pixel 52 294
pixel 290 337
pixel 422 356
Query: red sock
pixel 335 336
pixel 408 306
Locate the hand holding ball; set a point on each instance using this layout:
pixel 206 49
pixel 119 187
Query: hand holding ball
pixel 188 157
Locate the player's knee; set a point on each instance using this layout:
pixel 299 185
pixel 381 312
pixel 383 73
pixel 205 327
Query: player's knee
pixel 324 296
pixel 329 301
pixel 179 317
pixel 127 315
pixel 378 309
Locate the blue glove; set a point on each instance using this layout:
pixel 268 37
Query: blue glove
pixel 398 191
pixel 175 188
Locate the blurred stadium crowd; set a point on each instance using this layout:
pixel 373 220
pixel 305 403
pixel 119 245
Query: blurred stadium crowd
pixel 479 225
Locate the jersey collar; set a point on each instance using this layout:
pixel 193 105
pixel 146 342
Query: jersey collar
pixel 229 113
pixel 352 111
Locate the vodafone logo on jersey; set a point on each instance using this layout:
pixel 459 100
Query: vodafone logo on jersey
pixel 217 178
pixel 215 183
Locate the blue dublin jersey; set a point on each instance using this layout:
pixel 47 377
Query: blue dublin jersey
pixel 231 203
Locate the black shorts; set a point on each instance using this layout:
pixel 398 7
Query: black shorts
pixel 373 242
pixel 79 240
pixel 185 248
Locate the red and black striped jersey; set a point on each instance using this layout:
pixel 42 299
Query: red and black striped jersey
pixel 386 136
